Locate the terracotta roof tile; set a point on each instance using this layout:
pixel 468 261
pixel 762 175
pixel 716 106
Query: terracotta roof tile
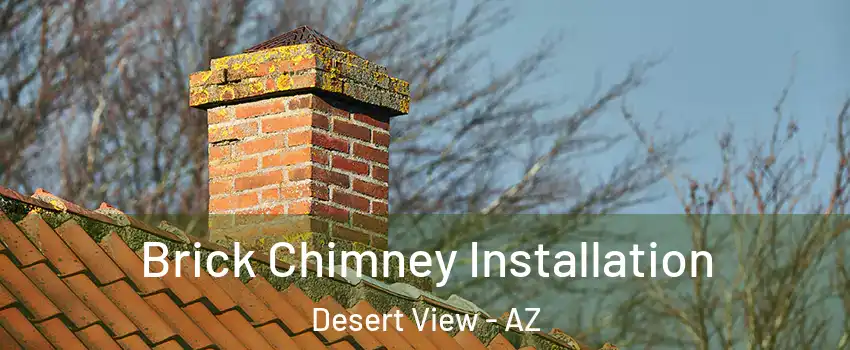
pixel 265 292
pixel 61 204
pixel 138 311
pixel 73 308
pixel 499 342
pixel 177 319
pixel 6 298
pixel 467 340
pixel 308 340
pixel 98 263
pixel 212 326
pixel 363 337
pixel 439 338
pixel 49 243
pixel 118 324
pixel 33 300
pixel 131 265
pixel 132 342
pixel 14 322
pixel 277 337
pixel 180 287
pixel 80 285
pixel 239 326
pixel 342 346
pixel 7 340
pixel 22 249
pixel 58 334
pixel 389 337
pixel 207 286
pixel 169 345
pixel 8 193
pixel 416 339
pixel 250 303
pixel 296 297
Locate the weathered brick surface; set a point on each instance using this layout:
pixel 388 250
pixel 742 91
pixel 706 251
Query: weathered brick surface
pixel 278 145
pixel 265 73
pixel 301 155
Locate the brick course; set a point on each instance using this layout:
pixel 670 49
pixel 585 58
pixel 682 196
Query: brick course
pixel 300 129
pixel 305 154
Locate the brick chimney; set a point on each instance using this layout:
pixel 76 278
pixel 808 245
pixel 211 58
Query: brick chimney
pixel 298 128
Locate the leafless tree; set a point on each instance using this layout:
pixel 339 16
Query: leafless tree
pixel 779 244
pixel 95 109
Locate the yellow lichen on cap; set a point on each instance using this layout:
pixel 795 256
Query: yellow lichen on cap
pixel 281 69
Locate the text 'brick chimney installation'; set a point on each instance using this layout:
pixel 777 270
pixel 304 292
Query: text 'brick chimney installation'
pixel 299 127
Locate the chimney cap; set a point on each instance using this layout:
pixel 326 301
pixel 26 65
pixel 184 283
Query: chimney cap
pixel 297 36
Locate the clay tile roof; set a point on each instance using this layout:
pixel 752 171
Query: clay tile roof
pixel 300 35
pixel 71 278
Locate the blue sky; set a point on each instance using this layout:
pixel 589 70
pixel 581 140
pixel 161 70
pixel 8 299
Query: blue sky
pixel 726 61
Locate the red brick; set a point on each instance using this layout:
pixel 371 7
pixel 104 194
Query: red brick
pixel 259 70
pixel 260 180
pixel 371 223
pixel 350 165
pixel 313 102
pixel 380 174
pixel 270 83
pixel 203 78
pixel 331 177
pixel 269 195
pixel 292 157
pixel 299 207
pixel 321 122
pixel 307 118
pixel 346 233
pixel 371 121
pixel 297 138
pixel 275 142
pixel 304 190
pixel 222 186
pixel 350 200
pixel 300 102
pixel 255 109
pixel 218 115
pixel 320 156
pixel 303 64
pixel 370 189
pixel 244 200
pixel 380 242
pixel 371 153
pixel 265 68
pixel 330 142
pixel 260 213
pixel 232 132
pixel 380 138
pixel 302 81
pixel 233 168
pixel 286 122
pixel 321 175
pixel 379 208
pixel 352 130
pixel 329 212
pixel 219 152
pixel 302 173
